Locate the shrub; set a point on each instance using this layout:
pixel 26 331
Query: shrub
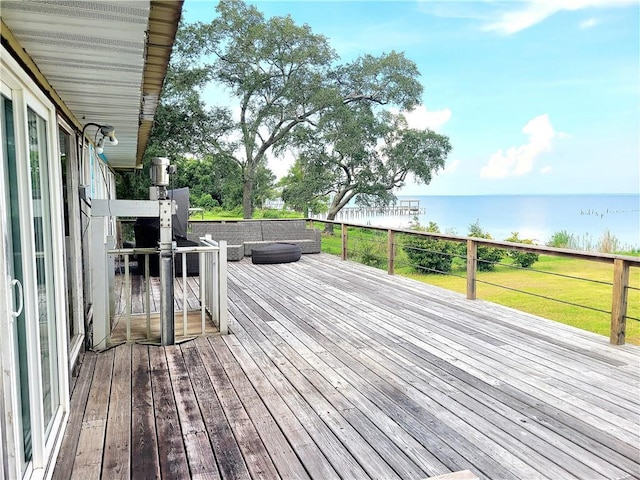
pixel 487 256
pixel 428 255
pixel 608 243
pixel 521 259
pixel 271 213
pixel 562 239
pixel 207 202
pixel 371 252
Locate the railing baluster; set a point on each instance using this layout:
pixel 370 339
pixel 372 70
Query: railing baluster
pixel 147 284
pixel 214 292
pixel 127 288
pixel 222 288
pixel 184 294
pixel 391 252
pixel 203 281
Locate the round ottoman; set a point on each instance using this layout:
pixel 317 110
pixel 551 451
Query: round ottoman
pixel 276 253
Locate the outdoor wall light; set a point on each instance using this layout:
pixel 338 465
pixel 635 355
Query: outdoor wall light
pixel 107 131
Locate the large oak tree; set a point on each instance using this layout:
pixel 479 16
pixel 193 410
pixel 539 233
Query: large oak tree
pixel 354 153
pixel 283 76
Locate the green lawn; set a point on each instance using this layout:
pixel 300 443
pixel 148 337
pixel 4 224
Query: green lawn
pixel 582 292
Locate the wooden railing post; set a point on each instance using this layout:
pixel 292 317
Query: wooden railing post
pixel 619 301
pixel 391 251
pixel 472 264
pixel 344 242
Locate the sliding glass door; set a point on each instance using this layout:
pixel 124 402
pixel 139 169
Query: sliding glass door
pixel 41 216
pixel 31 227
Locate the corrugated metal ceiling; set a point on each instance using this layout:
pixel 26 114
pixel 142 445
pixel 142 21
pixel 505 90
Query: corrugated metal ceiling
pixel 105 59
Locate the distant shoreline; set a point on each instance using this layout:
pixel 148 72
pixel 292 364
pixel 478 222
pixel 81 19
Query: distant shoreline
pixel 587 217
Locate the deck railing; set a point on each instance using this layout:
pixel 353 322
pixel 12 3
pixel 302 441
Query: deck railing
pixel 619 283
pixel 213 280
pixel 211 291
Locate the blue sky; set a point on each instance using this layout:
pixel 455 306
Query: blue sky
pixel 536 96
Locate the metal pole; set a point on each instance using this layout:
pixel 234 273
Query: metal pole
pixel 167 324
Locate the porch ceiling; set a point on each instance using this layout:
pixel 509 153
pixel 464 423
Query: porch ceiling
pixel 106 60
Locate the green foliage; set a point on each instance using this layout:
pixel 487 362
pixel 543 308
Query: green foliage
pixel 521 259
pixel 291 92
pixel 217 176
pixel 190 135
pixel 488 257
pixel 562 239
pixel 134 185
pixel 372 252
pixel 270 213
pixel 357 152
pixel 608 242
pixel 207 202
pixel 428 255
pixel 263 186
pixel 276 70
pixel 222 213
pixel 302 189
pixel 183 125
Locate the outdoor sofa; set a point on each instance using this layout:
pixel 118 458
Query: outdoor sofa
pixel 244 235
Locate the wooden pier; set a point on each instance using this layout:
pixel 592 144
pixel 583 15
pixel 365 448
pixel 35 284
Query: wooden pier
pixel 405 208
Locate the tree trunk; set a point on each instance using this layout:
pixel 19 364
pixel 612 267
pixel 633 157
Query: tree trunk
pixel 328 227
pixel 247 198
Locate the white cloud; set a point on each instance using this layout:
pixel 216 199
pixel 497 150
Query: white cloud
pixel 546 169
pixel 420 118
pixel 590 22
pixel 518 161
pixel 531 12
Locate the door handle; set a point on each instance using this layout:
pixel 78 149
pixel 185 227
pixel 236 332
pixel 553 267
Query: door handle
pixel 16 283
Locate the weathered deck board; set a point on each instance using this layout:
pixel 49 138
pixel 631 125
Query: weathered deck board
pixel 67 455
pixel 88 456
pixel 332 448
pixel 171 448
pixel 117 455
pixel 144 439
pixel 296 436
pixel 337 370
pixel 202 462
pixel 253 450
pixel 225 447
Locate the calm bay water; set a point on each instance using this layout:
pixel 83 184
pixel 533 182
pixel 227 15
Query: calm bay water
pixel 535 217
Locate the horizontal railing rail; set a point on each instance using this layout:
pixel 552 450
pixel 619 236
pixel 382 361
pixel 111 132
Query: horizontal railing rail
pixel 619 283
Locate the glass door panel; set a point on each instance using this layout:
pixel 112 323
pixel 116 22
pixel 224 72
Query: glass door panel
pixel 64 140
pixel 15 266
pixel 37 135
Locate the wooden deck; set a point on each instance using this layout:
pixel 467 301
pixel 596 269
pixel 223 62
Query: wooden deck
pixel 336 370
